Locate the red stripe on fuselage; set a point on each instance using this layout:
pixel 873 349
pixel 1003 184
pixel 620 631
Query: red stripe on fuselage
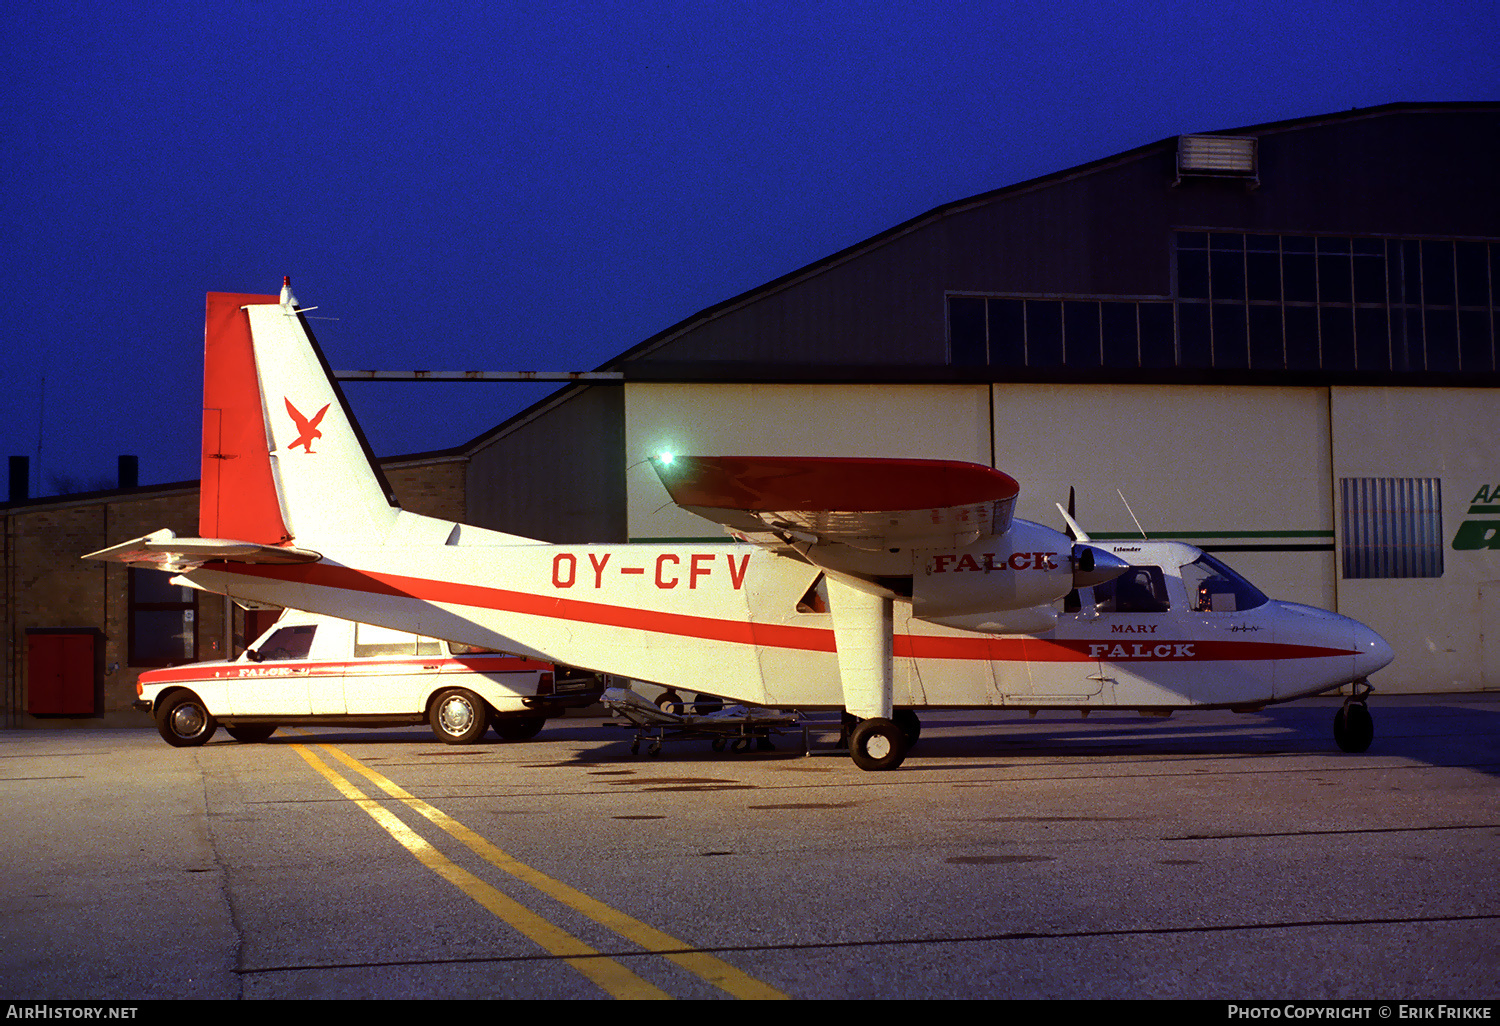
pixel 653 621
pixel 770 635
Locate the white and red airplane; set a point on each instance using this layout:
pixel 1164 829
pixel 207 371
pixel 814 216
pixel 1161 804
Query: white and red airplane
pixel 872 586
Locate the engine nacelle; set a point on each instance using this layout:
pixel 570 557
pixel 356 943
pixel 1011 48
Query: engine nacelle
pixel 1027 567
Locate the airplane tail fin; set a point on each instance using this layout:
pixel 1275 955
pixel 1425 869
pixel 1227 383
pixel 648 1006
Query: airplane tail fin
pixel 283 457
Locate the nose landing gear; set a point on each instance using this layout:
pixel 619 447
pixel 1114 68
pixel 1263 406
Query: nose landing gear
pixel 1353 728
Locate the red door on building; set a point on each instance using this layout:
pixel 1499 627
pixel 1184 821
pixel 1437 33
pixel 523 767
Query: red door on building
pixel 60 671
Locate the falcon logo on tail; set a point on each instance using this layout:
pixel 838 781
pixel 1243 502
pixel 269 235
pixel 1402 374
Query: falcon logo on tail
pixel 308 429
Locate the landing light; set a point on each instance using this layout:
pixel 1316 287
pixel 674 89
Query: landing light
pixel 665 458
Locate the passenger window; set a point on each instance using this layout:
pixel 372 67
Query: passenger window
pixel 288 643
pixel 371 642
pixel 1141 589
pixel 460 649
pixel 815 599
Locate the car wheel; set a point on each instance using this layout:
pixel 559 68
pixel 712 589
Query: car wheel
pixel 251 733
pixel 459 717
pixel 519 728
pixel 184 721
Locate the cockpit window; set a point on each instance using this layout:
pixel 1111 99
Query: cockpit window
pixel 1141 589
pixel 1212 587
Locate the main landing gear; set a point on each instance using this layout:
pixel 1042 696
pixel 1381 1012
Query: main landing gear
pixel 878 743
pixel 1353 728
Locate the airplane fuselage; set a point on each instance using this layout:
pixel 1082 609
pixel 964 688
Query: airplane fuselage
pixel 735 620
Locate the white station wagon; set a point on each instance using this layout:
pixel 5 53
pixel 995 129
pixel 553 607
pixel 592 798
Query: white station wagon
pixel 310 669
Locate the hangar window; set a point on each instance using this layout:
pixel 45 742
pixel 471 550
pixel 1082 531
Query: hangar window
pixel 1261 302
pixel 1393 527
pixel 163 619
pixel 1335 303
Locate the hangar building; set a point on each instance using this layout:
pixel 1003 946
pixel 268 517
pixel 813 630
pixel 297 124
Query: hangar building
pixel 1276 342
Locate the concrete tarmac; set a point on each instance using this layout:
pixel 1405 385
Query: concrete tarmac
pixel 1208 856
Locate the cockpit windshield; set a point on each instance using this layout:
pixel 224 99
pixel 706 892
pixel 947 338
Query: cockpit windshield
pixel 1212 587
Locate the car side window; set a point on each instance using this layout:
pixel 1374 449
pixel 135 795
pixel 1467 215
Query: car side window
pixel 288 643
pixel 1141 589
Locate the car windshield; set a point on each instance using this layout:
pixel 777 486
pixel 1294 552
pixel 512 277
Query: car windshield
pixel 288 643
pixel 1212 587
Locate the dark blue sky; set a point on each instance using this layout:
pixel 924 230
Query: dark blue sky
pixel 542 185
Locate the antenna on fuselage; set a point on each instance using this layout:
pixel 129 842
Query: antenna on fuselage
pixel 1138 526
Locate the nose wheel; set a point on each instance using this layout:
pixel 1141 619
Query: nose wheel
pixel 1353 727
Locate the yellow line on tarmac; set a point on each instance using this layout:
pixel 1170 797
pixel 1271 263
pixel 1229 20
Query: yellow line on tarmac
pixel 713 970
pixel 610 975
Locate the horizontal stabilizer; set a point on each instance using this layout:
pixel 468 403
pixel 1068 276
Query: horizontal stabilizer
pixel 163 550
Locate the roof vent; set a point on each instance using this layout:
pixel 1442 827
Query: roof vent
pixel 1217 156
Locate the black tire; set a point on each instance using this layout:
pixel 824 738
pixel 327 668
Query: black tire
pixel 670 702
pixel 706 705
pixel 251 733
pixel 1353 728
pixel 907 720
pixel 184 721
pixel 459 717
pixel 877 744
pixel 519 728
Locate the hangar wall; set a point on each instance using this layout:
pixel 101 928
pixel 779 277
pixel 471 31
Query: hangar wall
pixel 572 486
pixel 924 421
pixel 1442 625
pixel 1251 473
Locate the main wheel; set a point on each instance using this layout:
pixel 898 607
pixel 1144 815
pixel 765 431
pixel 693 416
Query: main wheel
pixel 251 733
pixel 459 717
pixel 1353 727
pixel 877 744
pixel 519 728
pixel 184 721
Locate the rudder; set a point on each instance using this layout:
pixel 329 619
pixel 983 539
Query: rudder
pixel 237 497
pixel 283 457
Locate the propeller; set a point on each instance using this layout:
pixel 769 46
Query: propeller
pixel 1074 532
pixel 1091 566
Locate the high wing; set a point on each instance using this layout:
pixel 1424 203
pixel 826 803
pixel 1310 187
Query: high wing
pixel 864 517
pixel 163 550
